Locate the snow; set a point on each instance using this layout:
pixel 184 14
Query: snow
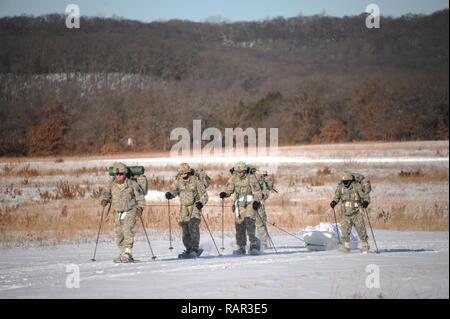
pixel 405 153
pixel 411 265
pixel 154 196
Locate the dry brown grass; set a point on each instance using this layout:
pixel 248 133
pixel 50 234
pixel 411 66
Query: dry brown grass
pixel 75 220
pixel 414 177
pixel 44 222
pixel 70 211
pixel 66 190
pixel 398 217
pixel 11 170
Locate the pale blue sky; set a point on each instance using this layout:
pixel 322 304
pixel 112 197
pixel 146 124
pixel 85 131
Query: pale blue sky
pixel 234 10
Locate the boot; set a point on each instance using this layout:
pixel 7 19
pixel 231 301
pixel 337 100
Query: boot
pixel 346 247
pixel 124 258
pixel 365 247
pixel 185 254
pixel 239 252
pixel 254 249
pixel 197 251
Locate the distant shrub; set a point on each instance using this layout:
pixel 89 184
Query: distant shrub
pixel 110 148
pixel 412 173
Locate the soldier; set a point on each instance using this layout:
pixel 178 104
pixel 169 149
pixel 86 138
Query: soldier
pixel 193 197
pixel 353 197
pixel 261 218
pixel 127 202
pixel 247 199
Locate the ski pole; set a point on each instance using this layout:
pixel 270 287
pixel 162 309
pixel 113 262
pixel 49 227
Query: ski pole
pixel 148 240
pixel 99 228
pixel 370 225
pixel 223 248
pixel 209 231
pixel 285 231
pixel 170 227
pixel 307 244
pixel 267 231
pixel 337 229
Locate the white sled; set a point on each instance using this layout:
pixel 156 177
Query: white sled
pixel 317 240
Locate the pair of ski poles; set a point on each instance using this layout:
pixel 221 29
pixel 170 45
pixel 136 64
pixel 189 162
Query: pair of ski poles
pixel 207 227
pixel 100 227
pixel 260 218
pixel 209 231
pixel 370 225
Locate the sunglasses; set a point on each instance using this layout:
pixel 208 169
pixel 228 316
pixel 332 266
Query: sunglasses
pixel 120 174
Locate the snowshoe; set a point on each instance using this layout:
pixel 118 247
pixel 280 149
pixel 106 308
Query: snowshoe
pixel 194 253
pixel 345 248
pixel 364 248
pixel 239 252
pixel 185 254
pixel 124 258
pixel 364 251
pixel 198 252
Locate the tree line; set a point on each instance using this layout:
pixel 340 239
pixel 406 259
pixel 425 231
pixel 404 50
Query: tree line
pixel 319 79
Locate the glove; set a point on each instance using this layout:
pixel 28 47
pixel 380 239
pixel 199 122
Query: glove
pixel 139 212
pixel 256 205
pixel 199 205
pixel 169 195
pixel 222 195
pixel 104 202
pixel 333 204
pixel 364 203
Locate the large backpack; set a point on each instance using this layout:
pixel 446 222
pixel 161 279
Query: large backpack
pixel 265 182
pixel 366 187
pixel 202 176
pixel 135 173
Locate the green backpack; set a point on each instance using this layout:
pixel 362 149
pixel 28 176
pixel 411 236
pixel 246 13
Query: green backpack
pixel 135 173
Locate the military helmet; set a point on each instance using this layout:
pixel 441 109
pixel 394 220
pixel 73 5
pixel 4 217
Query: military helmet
pixel 240 167
pixel 346 176
pixel 119 168
pixel 183 168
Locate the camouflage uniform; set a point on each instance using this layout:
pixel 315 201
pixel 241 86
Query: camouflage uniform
pixel 125 198
pixel 190 191
pixel 351 198
pixel 246 190
pixel 261 219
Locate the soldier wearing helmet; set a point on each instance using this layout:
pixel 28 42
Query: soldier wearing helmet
pixel 193 197
pixel 246 201
pixel 127 202
pixel 353 198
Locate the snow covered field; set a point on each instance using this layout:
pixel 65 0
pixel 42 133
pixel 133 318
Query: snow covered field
pixel 411 265
pixel 43 240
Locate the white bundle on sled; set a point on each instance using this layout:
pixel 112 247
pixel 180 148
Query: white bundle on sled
pixel 324 237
